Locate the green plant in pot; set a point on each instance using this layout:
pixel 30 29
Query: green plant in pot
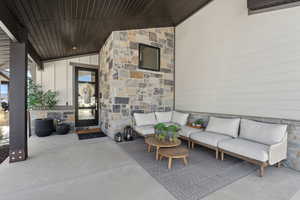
pixel 199 122
pixel 163 132
pixel 173 132
pixel 50 98
pixel 38 99
pixel 160 130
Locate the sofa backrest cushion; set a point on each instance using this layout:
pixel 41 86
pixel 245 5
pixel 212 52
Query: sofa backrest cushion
pixel 164 117
pixel 142 119
pixel 180 118
pixel 264 133
pixel 228 127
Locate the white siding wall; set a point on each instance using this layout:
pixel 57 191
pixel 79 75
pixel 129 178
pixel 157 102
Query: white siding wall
pixel 230 62
pixel 58 76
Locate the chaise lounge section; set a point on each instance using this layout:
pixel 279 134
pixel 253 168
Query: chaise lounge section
pixel 259 143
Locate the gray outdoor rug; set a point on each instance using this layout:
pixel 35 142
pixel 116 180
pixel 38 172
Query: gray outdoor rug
pixel 202 176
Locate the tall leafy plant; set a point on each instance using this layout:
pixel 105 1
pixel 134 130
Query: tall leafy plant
pixel 37 98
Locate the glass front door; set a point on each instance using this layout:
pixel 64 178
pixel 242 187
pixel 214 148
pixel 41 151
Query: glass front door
pixel 86 102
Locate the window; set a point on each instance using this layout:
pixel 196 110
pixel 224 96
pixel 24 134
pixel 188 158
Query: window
pixel 4 90
pixel 149 57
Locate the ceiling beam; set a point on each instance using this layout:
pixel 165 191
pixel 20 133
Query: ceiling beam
pixel 269 4
pixel 4 75
pixel 34 55
pixel 72 56
pixel 17 31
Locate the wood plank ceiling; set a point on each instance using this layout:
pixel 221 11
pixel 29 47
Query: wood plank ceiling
pixel 4 50
pixel 55 26
pixel 261 4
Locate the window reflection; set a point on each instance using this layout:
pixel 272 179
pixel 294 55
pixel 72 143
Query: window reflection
pixel 86 95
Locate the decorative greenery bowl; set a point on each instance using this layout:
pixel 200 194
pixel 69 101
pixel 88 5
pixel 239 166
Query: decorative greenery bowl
pixel 164 132
pixel 199 122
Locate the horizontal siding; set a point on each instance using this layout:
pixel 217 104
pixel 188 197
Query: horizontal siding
pixel 239 64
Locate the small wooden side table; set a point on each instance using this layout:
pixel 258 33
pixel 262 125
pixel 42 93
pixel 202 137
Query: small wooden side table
pixel 173 153
pixel 151 141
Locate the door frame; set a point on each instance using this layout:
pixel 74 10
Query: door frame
pixel 94 122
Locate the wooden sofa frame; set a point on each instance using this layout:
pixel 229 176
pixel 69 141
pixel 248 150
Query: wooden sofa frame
pixel 186 139
pixel 262 165
pixel 193 142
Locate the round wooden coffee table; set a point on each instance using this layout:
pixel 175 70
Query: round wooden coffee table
pixel 152 141
pixel 173 153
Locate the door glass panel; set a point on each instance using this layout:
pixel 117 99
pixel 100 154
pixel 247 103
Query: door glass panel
pixel 86 114
pixel 86 76
pixel 86 95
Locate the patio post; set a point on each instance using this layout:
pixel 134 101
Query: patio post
pixel 18 102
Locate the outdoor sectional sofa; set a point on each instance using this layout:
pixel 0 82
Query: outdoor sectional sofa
pixel 262 144
pixel 259 143
pixel 144 123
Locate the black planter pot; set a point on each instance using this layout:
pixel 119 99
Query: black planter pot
pixel 62 129
pixel 44 127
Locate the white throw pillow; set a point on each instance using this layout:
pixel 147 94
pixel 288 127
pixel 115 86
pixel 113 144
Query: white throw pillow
pixel 163 117
pixel 224 126
pixel 180 118
pixel 264 133
pixel 142 119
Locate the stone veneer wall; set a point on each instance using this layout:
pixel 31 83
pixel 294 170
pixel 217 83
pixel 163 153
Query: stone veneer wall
pixel 293 160
pixel 126 89
pixel 105 77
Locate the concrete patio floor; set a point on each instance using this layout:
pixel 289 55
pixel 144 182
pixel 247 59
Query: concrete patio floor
pixel 63 168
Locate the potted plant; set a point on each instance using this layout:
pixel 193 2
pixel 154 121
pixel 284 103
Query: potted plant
pixel 163 132
pixel 159 128
pixel 38 99
pixel 173 132
pixel 62 128
pixel 199 123
pixel 160 131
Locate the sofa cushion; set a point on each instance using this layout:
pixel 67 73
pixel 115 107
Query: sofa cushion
pixel 142 119
pixel 209 138
pixel 144 130
pixel 228 127
pixel 187 131
pixel 246 148
pixel 180 118
pixel 171 123
pixel 163 117
pixel 264 133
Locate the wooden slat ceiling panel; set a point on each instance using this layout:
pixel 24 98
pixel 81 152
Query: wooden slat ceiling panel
pixel 261 4
pixel 4 49
pixel 55 26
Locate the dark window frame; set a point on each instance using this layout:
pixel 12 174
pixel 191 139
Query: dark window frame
pixel 88 122
pixel 140 60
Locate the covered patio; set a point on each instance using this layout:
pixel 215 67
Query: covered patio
pixel 130 99
pixel 66 168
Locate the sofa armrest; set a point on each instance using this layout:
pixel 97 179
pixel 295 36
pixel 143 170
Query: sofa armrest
pixel 278 152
